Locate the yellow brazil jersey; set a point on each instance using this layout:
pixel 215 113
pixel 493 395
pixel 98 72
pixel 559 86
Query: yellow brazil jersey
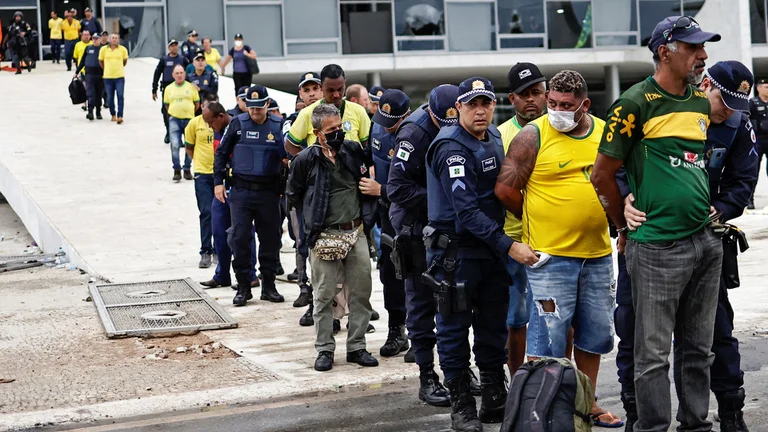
pixel 113 61
pixel 513 227
pixel 200 135
pixel 354 121
pixel 212 58
pixel 71 31
pixel 561 213
pixel 55 26
pixel 181 100
pixel 79 50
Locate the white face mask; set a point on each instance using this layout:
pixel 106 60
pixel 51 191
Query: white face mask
pixel 563 121
pixel 238 43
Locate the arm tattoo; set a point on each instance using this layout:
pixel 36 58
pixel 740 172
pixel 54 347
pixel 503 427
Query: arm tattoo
pixel 521 159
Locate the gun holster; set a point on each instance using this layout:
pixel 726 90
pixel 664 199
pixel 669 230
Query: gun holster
pixel 734 241
pixel 450 295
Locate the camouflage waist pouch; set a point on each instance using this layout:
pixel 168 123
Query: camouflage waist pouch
pixel 335 246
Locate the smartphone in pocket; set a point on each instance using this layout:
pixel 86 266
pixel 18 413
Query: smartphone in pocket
pixel 543 258
pixel 717 157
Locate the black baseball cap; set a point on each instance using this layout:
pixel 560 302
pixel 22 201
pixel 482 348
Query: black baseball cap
pixel 523 75
pixel 375 93
pixel 393 105
pixel 192 33
pixel 105 33
pixel 73 10
pixel 442 104
pixel 474 87
pixel 173 42
pixel 273 105
pixel 735 81
pixel 241 92
pixel 199 55
pixel 239 36
pixel 87 10
pixel 257 97
pixel 309 77
pixel 679 28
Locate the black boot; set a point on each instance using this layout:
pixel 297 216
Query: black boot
pixel 98 114
pixel 729 406
pixel 307 319
pixel 630 408
pixel 474 384
pixel 243 294
pixel 89 116
pixel 305 296
pixel 431 390
pixel 494 388
pixel 463 406
pixel 268 289
pixel 396 342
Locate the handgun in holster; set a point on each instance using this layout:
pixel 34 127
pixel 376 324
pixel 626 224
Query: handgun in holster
pixel 450 295
pixel 283 178
pixel 734 241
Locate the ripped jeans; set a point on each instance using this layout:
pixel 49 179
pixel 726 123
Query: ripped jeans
pixel 572 292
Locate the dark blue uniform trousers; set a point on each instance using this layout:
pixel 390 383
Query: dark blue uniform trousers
pixel 394 289
pixel 420 318
pixel 221 221
pixel 69 49
pixel 725 372
pixel 262 209
pixel 94 88
pixel 487 284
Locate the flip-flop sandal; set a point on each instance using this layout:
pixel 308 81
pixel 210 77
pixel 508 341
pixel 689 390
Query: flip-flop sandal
pixel 599 423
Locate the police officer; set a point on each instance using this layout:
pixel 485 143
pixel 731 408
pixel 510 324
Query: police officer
pixel 374 94
pixel 206 81
pixel 395 106
pixel 164 69
pixel 18 43
pixel 758 113
pixel 255 143
pixel 190 47
pixel 731 161
pixel 407 192
pixel 94 84
pixel 90 23
pixel 240 108
pixel 466 254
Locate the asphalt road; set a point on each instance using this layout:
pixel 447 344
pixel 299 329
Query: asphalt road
pixel 394 407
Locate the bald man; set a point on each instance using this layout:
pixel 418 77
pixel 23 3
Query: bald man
pixel 359 94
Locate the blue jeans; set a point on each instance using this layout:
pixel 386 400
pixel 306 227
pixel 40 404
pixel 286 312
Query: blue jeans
pixel 175 130
pixel 204 195
pixel 69 49
pixel 517 315
pixel 584 297
pixel 56 49
pixel 221 220
pixel 112 86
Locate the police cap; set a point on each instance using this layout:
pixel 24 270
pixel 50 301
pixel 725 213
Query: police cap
pixel 393 105
pixel 375 93
pixel 474 87
pixel 241 92
pixel 170 42
pixel 735 82
pixel 309 77
pixel 442 104
pixel 200 54
pixel 192 33
pixel 273 105
pixel 257 97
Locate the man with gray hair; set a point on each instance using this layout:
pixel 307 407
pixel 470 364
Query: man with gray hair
pixel 323 185
pixel 657 130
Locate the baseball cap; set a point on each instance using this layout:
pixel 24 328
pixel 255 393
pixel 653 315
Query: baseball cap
pixel 199 55
pixel 679 28
pixel 192 33
pixel 735 82
pixel 239 36
pixel 105 33
pixel 257 97
pixel 241 92
pixel 87 10
pixel 442 104
pixel 96 35
pixel 474 87
pixel 273 105
pixel 171 42
pixel 375 93
pixel 309 76
pixel 393 105
pixel 523 75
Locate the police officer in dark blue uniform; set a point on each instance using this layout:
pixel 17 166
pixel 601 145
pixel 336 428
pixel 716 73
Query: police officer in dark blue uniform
pixel 407 192
pixel 164 69
pixel 466 254
pixel 394 107
pixel 731 159
pixel 255 141
pixel 374 94
pixel 758 113
pixel 240 108
pixel 94 84
pixel 190 47
pixel 90 23
pixel 207 81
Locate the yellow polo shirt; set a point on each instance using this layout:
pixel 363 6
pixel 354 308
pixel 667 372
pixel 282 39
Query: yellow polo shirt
pixel 55 26
pixel 71 31
pixel 113 61
pixel 354 121
pixel 212 58
pixel 513 226
pixel 200 135
pixel 181 100
pixel 79 50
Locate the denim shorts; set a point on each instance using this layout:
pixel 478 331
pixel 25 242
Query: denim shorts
pixel 517 316
pixel 584 293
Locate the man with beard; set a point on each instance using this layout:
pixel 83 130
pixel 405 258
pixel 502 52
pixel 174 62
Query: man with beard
pixel 657 130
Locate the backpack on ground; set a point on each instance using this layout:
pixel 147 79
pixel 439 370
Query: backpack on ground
pixel 548 395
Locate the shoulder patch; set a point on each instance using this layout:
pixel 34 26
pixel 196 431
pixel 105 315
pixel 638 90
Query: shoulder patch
pixel 752 136
pixel 403 154
pixel 406 145
pixel 456 171
pixel 456 159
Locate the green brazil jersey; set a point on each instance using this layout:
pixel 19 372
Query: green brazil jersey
pixel 660 137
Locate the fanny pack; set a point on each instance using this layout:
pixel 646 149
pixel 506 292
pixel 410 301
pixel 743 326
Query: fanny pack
pixel 333 246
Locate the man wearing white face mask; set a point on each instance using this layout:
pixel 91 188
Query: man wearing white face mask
pixel 546 173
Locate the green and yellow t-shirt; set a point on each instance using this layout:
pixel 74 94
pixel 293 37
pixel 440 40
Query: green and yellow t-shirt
pixel 200 135
pixel 354 121
pixel 513 226
pixel 114 61
pixel 660 137
pixel 181 100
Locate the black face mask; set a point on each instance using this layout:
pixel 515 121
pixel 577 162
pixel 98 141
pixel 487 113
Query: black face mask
pixel 334 139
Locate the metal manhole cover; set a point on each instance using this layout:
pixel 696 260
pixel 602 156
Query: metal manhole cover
pixel 171 306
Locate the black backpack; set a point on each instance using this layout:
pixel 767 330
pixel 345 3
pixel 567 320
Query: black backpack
pixel 77 92
pixel 548 395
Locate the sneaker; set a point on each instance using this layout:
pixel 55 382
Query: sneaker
pixel 114 118
pixel 205 260
pixel 362 357
pixel 188 175
pixel 177 175
pixel 119 120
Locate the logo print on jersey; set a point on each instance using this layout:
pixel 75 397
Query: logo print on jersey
pixel 703 125
pixel 626 124
pixel 347 126
pixel 690 157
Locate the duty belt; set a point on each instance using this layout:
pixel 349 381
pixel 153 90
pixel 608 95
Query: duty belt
pixel 242 184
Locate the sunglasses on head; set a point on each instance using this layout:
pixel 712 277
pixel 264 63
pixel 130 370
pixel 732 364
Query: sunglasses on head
pixel 684 22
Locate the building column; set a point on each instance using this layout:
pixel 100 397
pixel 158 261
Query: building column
pixel 374 79
pixel 612 84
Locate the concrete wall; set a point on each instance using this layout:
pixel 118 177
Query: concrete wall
pixel 730 18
